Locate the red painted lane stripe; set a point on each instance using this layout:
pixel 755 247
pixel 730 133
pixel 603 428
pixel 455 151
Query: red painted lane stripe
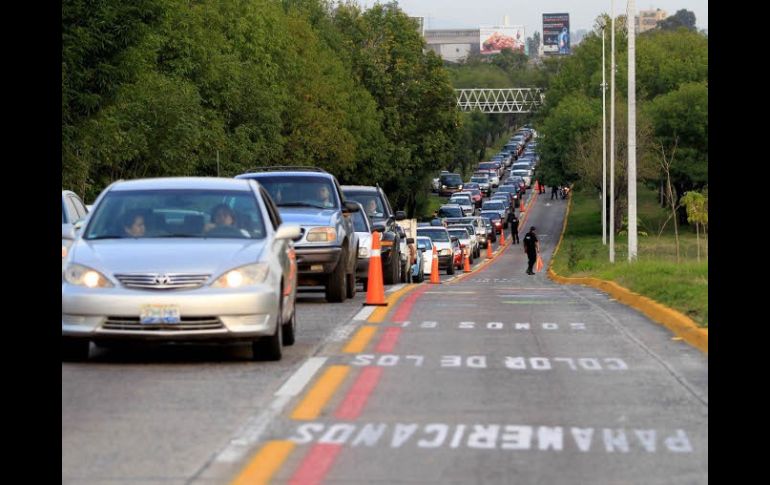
pixel 353 404
pixel 316 464
pixel 388 340
pixel 403 311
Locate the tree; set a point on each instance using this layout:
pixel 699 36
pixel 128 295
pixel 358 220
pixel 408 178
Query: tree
pixel 697 212
pixel 586 159
pixel 682 18
pixel 680 118
pixel 573 118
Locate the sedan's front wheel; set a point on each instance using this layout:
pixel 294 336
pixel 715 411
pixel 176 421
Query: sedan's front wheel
pixel 270 348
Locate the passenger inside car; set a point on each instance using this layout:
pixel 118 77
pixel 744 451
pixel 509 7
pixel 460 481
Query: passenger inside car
pixel 324 196
pixel 222 218
pixel 133 224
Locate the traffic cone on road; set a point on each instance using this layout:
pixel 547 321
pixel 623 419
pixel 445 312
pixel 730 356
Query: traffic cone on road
pixel 434 278
pixel 502 237
pixel 489 249
pixel 375 291
pixel 467 263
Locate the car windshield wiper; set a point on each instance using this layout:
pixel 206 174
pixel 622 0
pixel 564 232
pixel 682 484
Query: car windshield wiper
pixel 303 204
pixel 160 236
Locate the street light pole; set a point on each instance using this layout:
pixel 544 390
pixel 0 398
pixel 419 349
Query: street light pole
pixel 632 235
pixel 604 143
pixel 612 133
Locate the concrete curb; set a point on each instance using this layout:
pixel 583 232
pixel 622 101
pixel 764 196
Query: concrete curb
pixel 680 324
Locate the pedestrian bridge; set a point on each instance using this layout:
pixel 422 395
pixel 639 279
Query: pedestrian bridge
pixel 511 100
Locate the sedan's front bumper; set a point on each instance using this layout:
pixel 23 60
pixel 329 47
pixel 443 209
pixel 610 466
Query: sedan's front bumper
pixel 205 313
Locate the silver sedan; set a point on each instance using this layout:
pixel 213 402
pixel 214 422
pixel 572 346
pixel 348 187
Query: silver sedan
pixel 180 260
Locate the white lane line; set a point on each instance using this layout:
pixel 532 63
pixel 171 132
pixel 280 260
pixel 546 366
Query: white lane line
pixel 251 432
pixel 249 435
pixel 299 379
pixel 364 313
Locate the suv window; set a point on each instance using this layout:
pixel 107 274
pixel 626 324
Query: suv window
pixel 301 191
pixel 372 201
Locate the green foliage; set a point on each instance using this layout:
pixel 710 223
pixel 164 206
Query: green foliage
pixel 697 207
pixel 159 87
pixel 574 117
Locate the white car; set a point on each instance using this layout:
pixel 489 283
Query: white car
pixel 73 211
pixel 425 246
pixel 179 260
pixel 363 228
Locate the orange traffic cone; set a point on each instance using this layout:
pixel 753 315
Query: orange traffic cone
pixel 489 249
pixel 502 237
pixel 375 291
pixel 434 278
pixel 467 262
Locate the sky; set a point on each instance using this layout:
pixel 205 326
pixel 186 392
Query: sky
pixel 470 14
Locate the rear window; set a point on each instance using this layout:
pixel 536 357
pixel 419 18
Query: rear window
pixel 437 235
pixel 450 212
pixel 490 215
pixel 494 205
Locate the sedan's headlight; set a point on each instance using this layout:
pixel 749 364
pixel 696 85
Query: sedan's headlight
pixel 251 274
pixel 322 234
pixel 76 274
pixel 363 252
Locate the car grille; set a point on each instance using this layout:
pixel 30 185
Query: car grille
pixel 162 281
pixel 186 323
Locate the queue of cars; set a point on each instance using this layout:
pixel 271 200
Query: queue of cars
pixel 195 259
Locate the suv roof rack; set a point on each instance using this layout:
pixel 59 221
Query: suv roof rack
pixel 287 168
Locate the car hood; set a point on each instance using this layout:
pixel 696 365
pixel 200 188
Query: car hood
pixel 203 256
pixel 308 216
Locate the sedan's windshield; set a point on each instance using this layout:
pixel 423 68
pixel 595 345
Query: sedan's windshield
pixel 169 213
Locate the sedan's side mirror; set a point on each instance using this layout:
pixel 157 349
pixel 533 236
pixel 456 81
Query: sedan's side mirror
pixel 400 215
pixel 288 231
pixel 67 231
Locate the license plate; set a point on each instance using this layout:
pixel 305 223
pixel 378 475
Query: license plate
pixel 155 314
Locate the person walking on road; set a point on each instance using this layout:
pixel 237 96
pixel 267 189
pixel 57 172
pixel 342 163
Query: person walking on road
pixel 555 192
pixel 513 221
pixel 531 247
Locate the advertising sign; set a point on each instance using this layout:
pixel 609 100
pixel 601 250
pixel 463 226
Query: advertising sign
pixel 494 39
pixel 556 33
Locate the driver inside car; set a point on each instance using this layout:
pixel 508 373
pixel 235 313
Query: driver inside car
pixel 221 216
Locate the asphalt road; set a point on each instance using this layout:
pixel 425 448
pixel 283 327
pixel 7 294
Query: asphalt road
pixel 491 377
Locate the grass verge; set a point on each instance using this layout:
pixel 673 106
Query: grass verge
pixel 656 274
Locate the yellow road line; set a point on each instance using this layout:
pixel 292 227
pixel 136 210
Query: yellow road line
pixel 265 463
pixel 320 393
pixel 360 340
pixel 379 314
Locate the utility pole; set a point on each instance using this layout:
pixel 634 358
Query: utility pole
pixel 632 236
pixel 604 143
pixel 612 134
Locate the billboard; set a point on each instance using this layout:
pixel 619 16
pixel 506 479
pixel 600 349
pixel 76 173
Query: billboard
pixel 494 39
pixel 556 33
